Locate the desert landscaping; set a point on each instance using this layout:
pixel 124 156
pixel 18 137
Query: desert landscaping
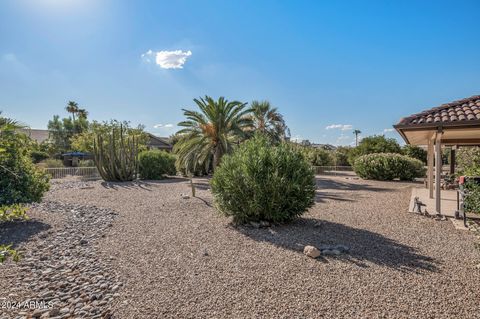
pixel 140 248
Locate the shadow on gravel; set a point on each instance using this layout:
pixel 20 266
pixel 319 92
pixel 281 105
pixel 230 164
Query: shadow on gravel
pixel 141 184
pixel 321 197
pixel 327 183
pixel 202 185
pixel 365 246
pixel 20 231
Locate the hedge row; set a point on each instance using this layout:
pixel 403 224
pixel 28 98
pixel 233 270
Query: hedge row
pixel 388 166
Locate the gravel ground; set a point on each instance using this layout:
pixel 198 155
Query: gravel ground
pixel 178 258
pixel 61 273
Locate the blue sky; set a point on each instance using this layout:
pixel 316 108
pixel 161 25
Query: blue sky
pixel 329 66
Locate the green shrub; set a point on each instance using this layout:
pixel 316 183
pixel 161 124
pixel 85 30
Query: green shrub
pixel 20 180
pixel 415 152
pixel 38 156
pixel 12 212
pixel 156 164
pixel 374 144
pixel 51 163
pixel 86 163
pixel 198 170
pixel 261 182
pixel 388 166
pixel 7 250
pixel 472 200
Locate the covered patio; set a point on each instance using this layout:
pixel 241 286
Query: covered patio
pixel 451 125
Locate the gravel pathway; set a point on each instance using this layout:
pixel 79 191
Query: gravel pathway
pixel 178 258
pixel 61 273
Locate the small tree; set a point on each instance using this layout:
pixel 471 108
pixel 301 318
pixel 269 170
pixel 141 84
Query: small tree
pixel 374 144
pixel 20 180
pixel 415 152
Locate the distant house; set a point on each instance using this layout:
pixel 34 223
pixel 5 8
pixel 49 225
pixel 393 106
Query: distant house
pixel 154 142
pixel 159 143
pixel 327 147
pixel 36 134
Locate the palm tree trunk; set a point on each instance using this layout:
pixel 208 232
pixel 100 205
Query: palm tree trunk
pixel 217 156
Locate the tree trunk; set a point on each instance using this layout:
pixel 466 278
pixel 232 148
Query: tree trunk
pixel 217 155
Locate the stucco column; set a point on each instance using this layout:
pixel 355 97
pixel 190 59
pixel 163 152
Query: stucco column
pixel 438 172
pixel 430 154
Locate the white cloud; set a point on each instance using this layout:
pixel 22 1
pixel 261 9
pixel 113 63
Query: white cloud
pixel 388 130
pixel 167 59
pixel 343 127
pixel 167 126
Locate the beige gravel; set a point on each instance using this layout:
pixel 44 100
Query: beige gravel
pixel 180 259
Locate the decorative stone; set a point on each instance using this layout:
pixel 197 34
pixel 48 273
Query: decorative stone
pixel 311 251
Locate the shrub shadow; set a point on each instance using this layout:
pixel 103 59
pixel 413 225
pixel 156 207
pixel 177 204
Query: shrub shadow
pixel 18 232
pixel 144 184
pixel 365 246
pixel 328 183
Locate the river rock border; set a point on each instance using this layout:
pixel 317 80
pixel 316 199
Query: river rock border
pixel 61 272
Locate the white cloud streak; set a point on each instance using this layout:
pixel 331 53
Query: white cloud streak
pixel 387 130
pixel 167 59
pixel 167 126
pixel 343 127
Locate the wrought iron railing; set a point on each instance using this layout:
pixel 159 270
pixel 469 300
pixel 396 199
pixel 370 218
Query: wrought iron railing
pixel 331 170
pixel 62 172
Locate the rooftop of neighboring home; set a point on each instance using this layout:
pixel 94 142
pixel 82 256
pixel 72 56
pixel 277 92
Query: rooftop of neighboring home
pixel 36 134
pixel 154 141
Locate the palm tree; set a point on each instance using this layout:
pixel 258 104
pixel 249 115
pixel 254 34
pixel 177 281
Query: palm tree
pixel 82 113
pixel 267 120
pixel 356 132
pixel 7 124
pixel 209 134
pixel 72 107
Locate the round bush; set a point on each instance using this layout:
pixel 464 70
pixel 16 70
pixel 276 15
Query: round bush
pixel 388 166
pixel 20 180
pixel 156 164
pixel 38 156
pixel 260 182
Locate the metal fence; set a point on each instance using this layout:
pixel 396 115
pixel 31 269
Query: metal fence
pixel 62 172
pixel 333 170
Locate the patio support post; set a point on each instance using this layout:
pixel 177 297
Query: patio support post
pixel 452 159
pixel 430 166
pixel 438 171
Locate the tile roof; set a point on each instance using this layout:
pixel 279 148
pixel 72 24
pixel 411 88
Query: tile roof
pixel 461 112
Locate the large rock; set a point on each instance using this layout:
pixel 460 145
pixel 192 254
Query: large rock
pixel 311 251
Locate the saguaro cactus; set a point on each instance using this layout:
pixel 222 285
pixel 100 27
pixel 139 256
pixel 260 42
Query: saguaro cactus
pixel 116 155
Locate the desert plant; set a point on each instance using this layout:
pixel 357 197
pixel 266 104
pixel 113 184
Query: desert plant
pixel 356 133
pixel 116 155
pixel 374 144
pixel 10 213
pixel 468 160
pixel 6 251
pixel 261 182
pixel 472 200
pixel 86 163
pixel 20 180
pixel 211 133
pixel 38 156
pixel 13 212
pixel 267 120
pixel 156 164
pixel 51 163
pixel 414 151
pixel 388 166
